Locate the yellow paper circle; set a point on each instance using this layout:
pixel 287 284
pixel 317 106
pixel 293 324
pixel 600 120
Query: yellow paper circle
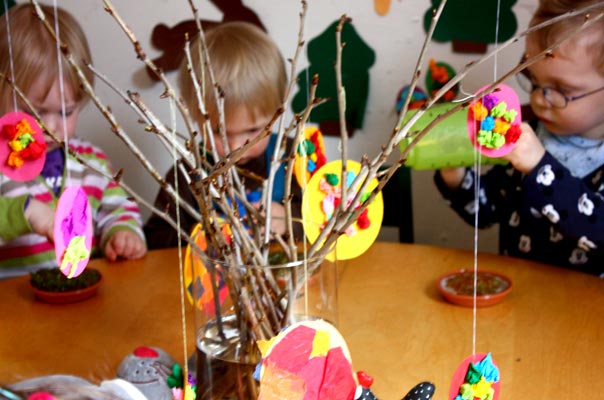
pixel 314 217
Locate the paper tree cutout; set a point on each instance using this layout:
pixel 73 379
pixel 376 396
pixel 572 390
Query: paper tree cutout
pixel 479 25
pixel 198 278
pixel 308 360
pixel 357 58
pixel 171 40
pixel 494 121
pixel 476 378
pixel 22 147
pixel 73 231
pixel 323 195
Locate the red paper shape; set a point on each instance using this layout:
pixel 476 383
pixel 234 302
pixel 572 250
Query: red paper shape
pixel 34 160
pixel 502 93
pixel 73 218
pixel 459 377
pixel 323 374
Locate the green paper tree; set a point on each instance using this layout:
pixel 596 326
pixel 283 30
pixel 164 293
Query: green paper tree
pixel 470 25
pixel 357 58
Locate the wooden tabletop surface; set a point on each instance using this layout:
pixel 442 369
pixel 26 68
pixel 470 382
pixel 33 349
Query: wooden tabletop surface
pixel 547 336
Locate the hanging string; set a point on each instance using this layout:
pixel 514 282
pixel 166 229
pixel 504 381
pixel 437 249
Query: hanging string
pixel 10 52
pixel 180 260
pixel 496 40
pixel 476 167
pixel 61 91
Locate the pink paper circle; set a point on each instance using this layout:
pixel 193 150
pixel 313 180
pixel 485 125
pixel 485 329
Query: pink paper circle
pixel 30 169
pixel 459 377
pixel 509 96
pixel 69 208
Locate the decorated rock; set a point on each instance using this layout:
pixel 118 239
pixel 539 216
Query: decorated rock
pixel 149 369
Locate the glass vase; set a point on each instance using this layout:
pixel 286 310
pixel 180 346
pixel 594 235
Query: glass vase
pixel 237 305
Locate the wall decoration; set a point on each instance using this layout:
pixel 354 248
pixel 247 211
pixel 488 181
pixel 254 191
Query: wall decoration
pixel 481 26
pixel 357 58
pixel 381 6
pixel 171 40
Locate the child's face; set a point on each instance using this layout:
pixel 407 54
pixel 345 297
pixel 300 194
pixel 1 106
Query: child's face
pixel 51 111
pixel 572 72
pixel 241 127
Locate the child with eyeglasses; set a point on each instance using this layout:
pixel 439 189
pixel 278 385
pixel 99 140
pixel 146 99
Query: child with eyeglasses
pixel 549 199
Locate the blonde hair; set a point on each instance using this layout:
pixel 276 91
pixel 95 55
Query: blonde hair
pixel 34 52
pixel 545 37
pixel 247 66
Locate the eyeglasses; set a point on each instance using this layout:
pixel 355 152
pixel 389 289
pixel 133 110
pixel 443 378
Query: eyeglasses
pixel 553 96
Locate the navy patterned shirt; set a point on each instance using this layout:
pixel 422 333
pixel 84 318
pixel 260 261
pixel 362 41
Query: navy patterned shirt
pixel 548 215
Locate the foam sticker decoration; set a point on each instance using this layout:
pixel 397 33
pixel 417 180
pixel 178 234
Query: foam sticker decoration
pixel 494 121
pixel 476 378
pixel 22 147
pixel 197 277
pixel 73 231
pixel 418 98
pixel 439 74
pixel 308 360
pixel 323 195
pixel 310 155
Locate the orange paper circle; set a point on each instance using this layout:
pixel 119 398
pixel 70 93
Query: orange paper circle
pixel 314 217
pixel 301 162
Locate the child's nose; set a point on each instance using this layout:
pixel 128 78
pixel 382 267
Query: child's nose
pixel 53 123
pixel 538 98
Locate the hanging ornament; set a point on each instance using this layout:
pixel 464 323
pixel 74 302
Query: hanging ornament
pixel 22 147
pixel 73 231
pixel 494 121
pixel 310 156
pixel 321 199
pixel 476 378
pixel 308 360
pixel 197 278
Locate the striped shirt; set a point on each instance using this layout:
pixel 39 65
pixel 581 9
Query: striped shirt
pixel 22 251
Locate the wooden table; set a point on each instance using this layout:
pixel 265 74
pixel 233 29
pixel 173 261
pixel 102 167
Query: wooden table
pixel 547 337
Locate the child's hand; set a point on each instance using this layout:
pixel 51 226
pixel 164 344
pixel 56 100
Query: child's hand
pixel 278 218
pixel 527 152
pixel 125 244
pixel 41 217
pixel 452 177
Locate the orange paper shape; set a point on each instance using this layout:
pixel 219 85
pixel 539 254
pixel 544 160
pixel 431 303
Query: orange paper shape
pixel 197 278
pixel 310 156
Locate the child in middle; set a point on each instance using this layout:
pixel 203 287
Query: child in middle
pixel 250 70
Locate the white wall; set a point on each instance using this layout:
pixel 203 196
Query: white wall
pixel 396 38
